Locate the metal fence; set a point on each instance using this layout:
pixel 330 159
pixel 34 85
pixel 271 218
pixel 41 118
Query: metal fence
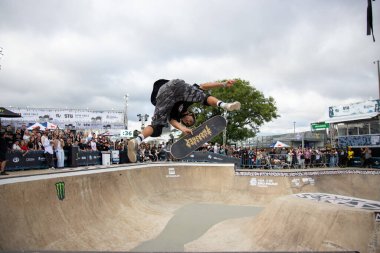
pixel 282 161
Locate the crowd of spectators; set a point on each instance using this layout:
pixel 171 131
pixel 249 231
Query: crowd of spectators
pixel 24 140
pixel 54 141
pixel 296 157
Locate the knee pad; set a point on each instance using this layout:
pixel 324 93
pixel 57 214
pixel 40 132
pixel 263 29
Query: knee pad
pixel 157 130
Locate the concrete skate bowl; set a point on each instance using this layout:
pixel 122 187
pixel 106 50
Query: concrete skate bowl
pixel 190 207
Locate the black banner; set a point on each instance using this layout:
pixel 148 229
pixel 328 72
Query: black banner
pixel 86 158
pixel 17 160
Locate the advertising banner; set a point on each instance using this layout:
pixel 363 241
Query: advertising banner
pixel 366 107
pixel 76 118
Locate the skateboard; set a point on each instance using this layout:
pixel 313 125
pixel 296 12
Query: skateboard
pixel 202 134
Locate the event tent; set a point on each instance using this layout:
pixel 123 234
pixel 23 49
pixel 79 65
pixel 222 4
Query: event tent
pixel 279 144
pixel 37 125
pixel 5 113
pixel 43 126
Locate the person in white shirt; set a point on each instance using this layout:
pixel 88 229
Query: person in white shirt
pixel 16 145
pixel 48 148
pixel 59 152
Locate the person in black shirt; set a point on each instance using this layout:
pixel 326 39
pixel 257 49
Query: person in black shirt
pixel 3 153
pixel 172 100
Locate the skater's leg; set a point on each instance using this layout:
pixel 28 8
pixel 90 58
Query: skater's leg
pixel 213 101
pixel 133 144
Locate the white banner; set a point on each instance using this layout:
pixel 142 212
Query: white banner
pixel 69 115
pixel 69 118
pixel 366 107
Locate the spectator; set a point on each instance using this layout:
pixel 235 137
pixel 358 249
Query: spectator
pixel 16 145
pixel 307 155
pixel 342 156
pixel 32 144
pixel 26 135
pixel 367 154
pixel 350 156
pixel 47 145
pixel 3 153
pixel 59 152
pixel 93 144
pixel 301 158
pixel 24 147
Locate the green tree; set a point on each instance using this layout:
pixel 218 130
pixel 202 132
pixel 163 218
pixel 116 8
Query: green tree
pixel 245 123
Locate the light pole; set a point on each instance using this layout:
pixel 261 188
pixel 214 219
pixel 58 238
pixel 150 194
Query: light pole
pixel 294 127
pixel 126 111
pixel 143 119
pixel 225 130
pixel 378 73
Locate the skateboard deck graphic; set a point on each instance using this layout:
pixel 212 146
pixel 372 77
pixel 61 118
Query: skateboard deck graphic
pixel 202 134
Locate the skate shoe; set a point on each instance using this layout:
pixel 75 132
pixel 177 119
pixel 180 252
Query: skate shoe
pixel 132 150
pixel 232 106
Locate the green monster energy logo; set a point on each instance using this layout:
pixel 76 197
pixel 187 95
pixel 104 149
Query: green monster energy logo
pixel 60 187
pixel 193 141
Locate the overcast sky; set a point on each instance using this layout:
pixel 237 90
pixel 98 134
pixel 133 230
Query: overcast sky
pixel 306 54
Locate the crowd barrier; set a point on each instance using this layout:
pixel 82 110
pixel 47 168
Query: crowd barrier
pixel 17 160
pixel 280 161
pixel 200 156
pixel 74 157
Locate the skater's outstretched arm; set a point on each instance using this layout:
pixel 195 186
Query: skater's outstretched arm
pixel 211 85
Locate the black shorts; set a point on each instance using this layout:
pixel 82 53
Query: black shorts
pixel 172 92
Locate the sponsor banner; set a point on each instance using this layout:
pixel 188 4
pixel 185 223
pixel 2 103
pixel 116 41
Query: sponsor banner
pixel 115 156
pixel 36 159
pixel 299 182
pixel 77 118
pixel 60 188
pixel 86 158
pixel 361 108
pixel 31 160
pixel 261 182
pixel 172 173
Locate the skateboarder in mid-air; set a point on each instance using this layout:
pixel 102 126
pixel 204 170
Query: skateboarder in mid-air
pixel 172 99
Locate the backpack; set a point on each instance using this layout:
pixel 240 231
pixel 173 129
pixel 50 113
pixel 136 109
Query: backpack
pixel 156 86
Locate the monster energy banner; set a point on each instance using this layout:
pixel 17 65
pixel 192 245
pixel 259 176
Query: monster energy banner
pixel 60 188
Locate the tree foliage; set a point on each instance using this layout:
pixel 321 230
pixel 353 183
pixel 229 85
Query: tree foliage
pixel 245 123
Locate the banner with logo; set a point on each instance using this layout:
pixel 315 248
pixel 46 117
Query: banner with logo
pixel 366 107
pixel 78 118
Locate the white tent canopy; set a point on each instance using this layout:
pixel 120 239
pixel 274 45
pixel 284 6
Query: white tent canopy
pixel 37 125
pixel 279 144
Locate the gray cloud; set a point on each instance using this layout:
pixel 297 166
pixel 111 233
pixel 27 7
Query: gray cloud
pixel 90 53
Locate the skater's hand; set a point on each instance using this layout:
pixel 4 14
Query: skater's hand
pixel 186 130
pixel 229 83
